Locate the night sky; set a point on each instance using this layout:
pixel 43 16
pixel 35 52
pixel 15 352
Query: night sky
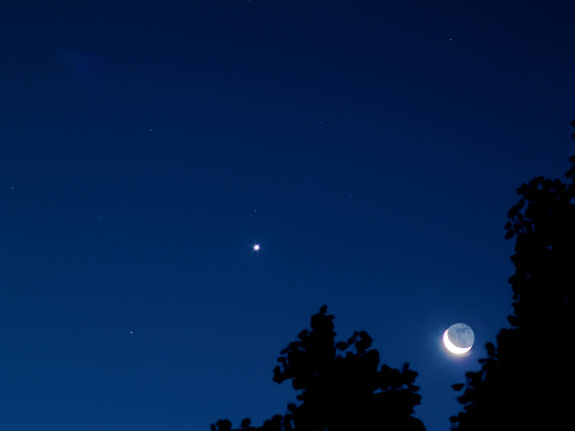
pixel 372 150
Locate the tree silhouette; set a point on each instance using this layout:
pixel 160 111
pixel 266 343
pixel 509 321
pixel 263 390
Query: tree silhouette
pixel 526 380
pixel 338 392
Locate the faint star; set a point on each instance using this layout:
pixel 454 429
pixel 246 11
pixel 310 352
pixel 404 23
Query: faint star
pixel 131 332
pixel 12 188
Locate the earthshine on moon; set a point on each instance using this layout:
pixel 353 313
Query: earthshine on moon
pixel 458 339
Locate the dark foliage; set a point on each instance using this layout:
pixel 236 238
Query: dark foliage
pixel 526 381
pixel 336 392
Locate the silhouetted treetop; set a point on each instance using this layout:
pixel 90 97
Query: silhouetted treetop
pixel 340 393
pixel 526 381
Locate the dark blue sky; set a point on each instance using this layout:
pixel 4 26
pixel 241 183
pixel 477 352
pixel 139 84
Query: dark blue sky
pixel 372 150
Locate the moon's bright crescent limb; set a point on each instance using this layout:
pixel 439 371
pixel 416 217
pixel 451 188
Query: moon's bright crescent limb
pixel 452 347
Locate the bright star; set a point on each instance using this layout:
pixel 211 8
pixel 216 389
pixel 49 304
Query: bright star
pixel 256 247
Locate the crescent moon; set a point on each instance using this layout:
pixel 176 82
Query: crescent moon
pixel 456 350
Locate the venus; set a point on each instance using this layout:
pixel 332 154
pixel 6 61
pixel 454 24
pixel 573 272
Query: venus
pixel 458 339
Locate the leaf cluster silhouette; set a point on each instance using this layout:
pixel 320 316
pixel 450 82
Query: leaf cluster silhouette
pixel 336 392
pixel 526 381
